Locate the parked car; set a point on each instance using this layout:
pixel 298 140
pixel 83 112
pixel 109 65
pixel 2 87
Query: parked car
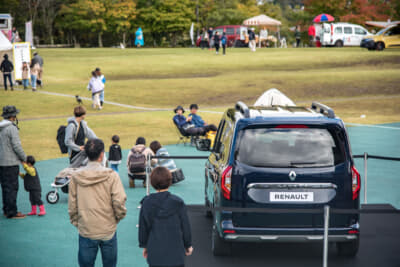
pixel 385 38
pixel 342 34
pixel 234 33
pixel 284 158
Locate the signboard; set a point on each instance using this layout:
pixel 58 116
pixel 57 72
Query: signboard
pixel 22 53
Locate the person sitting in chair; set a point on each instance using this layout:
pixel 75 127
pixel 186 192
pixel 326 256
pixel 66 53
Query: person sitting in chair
pixel 197 120
pixel 187 125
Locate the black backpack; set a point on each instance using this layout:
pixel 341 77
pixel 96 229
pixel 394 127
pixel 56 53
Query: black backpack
pixel 137 161
pixel 61 139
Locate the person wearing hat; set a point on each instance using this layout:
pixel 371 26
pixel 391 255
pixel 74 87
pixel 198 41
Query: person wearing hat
pixel 11 155
pixel 187 125
pixel 7 68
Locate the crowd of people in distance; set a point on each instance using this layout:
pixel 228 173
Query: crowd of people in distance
pixel 31 72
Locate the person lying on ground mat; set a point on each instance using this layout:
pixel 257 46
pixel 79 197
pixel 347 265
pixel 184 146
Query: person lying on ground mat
pixel 186 123
pixel 158 150
pixel 164 227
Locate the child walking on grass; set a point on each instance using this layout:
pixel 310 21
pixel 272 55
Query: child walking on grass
pixel 164 228
pixel 32 185
pixel 114 153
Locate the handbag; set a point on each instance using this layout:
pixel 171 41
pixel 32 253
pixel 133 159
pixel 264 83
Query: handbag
pixel 177 176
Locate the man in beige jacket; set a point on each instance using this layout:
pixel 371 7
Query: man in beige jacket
pixel 96 204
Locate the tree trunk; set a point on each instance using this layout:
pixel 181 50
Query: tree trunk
pixel 124 39
pixel 100 39
pixel 76 43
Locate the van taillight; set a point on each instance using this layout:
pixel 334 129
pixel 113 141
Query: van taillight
pixel 226 182
pixel 355 182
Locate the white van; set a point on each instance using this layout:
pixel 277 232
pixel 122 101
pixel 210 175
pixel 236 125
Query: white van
pixel 342 34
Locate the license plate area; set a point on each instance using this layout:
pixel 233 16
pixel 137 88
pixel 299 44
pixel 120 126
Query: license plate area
pixel 290 196
pixel 271 193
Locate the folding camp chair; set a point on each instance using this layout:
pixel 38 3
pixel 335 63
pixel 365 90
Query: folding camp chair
pixel 183 137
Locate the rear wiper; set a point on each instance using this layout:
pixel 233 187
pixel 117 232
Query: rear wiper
pixel 300 164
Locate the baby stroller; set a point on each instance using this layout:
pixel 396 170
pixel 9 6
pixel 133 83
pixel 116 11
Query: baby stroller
pixel 63 178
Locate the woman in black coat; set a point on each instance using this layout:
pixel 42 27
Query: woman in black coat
pixel 164 228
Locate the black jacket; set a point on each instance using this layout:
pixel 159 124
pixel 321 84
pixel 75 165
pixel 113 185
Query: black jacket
pixel 32 183
pixel 114 153
pixel 6 66
pixel 164 229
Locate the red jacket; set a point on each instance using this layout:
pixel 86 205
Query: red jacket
pixel 311 30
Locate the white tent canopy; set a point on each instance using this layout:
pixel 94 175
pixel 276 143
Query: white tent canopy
pixel 262 20
pixel 5 48
pixel 5 44
pixel 273 97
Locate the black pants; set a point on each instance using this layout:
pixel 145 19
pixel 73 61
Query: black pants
pixel 297 43
pixel 9 188
pixel 223 48
pixel 35 197
pixel 201 130
pixel 5 76
pixel 217 47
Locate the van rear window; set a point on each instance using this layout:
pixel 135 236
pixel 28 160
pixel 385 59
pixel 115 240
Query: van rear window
pixel 288 147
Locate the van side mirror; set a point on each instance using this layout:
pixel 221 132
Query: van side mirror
pixel 203 144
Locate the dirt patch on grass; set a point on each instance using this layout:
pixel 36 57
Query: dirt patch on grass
pixel 384 60
pixel 150 76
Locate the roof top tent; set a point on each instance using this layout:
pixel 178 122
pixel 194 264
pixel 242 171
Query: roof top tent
pixel 273 97
pixel 6 25
pixel 264 21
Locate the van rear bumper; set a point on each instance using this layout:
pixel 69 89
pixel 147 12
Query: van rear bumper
pixel 307 234
pixel 288 238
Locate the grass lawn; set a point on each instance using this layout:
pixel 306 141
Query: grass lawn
pixel 353 81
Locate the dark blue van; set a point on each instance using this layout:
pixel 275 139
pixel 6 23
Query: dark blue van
pixel 285 158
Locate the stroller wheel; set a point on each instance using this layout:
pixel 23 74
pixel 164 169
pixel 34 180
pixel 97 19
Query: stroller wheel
pixel 52 197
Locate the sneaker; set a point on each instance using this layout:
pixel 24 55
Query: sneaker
pixel 19 215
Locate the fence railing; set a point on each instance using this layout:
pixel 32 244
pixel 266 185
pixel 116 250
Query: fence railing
pixel 366 156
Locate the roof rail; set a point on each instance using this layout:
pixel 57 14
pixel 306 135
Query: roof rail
pixel 323 109
pixel 243 108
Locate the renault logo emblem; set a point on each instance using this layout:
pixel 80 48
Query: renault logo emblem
pixel 292 175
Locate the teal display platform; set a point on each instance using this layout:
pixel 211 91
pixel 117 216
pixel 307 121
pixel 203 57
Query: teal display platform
pixel 52 241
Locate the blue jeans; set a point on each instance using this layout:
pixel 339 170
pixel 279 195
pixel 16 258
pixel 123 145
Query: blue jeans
pixel 33 81
pixel 102 96
pixel 25 83
pixel 5 77
pixel 88 251
pixel 114 167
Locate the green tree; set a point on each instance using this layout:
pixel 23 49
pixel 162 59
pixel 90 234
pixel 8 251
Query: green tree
pixel 121 16
pixel 166 18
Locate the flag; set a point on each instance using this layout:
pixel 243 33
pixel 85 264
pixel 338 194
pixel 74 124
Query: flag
pixel 29 33
pixel 192 33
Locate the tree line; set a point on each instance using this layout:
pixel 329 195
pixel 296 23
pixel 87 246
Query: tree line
pixel 91 23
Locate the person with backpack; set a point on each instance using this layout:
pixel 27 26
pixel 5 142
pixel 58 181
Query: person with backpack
pixel 223 42
pixel 7 68
pixel 137 161
pixel 77 132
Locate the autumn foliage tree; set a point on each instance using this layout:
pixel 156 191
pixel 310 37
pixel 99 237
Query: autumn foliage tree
pixel 360 11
